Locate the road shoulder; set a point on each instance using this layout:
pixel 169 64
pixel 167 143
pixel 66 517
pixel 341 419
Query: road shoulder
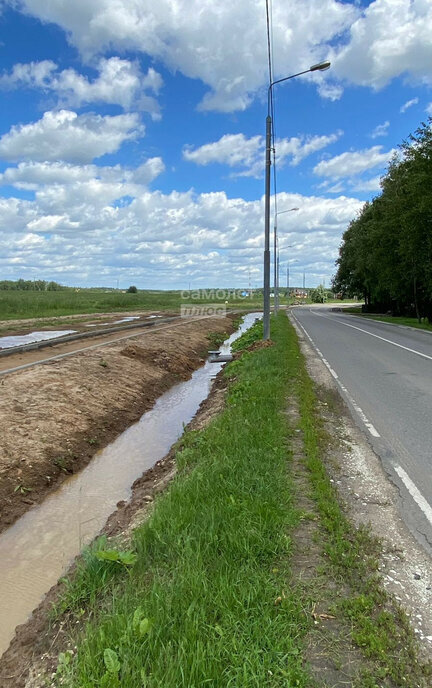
pixel 372 501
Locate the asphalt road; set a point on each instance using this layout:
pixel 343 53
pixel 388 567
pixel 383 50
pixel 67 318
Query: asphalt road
pixel 385 374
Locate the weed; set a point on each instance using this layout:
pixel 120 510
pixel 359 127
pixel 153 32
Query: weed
pixel 251 335
pixel 22 489
pixel 94 575
pixel 126 559
pixel 63 463
pixel 216 339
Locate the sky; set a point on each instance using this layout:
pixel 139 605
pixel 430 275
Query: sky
pixel 132 134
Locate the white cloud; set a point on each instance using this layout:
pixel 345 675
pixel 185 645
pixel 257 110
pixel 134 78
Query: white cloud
pixel 350 164
pixel 222 44
pixel 231 149
pixel 34 175
pixel 64 135
pixel 337 188
pixel 409 104
pixel 429 109
pixel 380 130
pixel 301 147
pixel 34 74
pixel 330 90
pixel 71 235
pixel 236 150
pixel 390 38
pixel 366 185
pixel 119 82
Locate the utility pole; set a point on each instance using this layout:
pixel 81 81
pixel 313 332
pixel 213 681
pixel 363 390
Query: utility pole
pixel 321 66
pixel 266 316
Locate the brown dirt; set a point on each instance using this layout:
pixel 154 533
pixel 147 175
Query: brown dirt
pixel 53 417
pixel 79 322
pixel 260 344
pixel 33 653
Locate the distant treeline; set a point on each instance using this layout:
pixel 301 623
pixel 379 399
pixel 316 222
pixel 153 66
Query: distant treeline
pixel 30 285
pixel 386 254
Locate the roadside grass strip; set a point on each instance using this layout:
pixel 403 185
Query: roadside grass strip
pixel 206 602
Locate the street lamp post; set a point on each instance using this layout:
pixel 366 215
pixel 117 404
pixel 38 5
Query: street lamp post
pixel 321 66
pixel 276 258
pixel 288 273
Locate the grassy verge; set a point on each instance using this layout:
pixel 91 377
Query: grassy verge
pixel 198 606
pixel 205 595
pixel 393 319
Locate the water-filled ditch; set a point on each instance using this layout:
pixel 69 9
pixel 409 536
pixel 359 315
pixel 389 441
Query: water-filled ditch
pixel 39 547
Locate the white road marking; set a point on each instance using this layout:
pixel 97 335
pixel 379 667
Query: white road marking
pixel 389 341
pixel 414 492
pixel 373 431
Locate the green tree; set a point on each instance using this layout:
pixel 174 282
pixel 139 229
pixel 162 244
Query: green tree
pixel 319 295
pixel 386 252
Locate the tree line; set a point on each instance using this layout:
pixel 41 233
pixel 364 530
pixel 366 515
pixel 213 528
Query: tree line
pixel 386 252
pixel 30 285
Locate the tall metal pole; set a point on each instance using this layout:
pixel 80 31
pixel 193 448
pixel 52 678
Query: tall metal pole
pixel 266 317
pixel 321 66
pixel 275 282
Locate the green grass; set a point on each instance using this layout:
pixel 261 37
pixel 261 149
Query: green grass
pixel 39 304
pixel 393 319
pixel 198 608
pixel 46 304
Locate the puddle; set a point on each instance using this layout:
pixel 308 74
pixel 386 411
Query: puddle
pixel 39 547
pixel 22 339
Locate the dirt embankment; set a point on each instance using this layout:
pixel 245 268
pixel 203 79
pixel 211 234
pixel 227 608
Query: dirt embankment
pixel 32 656
pixel 53 417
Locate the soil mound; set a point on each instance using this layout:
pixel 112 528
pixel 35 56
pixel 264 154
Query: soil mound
pixel 174 362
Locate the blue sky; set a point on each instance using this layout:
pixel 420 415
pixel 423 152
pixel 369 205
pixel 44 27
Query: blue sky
pixel 132 133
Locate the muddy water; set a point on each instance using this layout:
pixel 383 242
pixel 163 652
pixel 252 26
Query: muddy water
pixel 39 547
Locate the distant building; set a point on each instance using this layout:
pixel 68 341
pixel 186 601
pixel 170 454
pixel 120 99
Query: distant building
pixel 299 293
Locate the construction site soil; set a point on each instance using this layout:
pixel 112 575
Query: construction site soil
pixel 33 653
pixel 54 416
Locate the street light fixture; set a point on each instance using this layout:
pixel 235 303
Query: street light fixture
pixel 321 66
pixel 276 258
